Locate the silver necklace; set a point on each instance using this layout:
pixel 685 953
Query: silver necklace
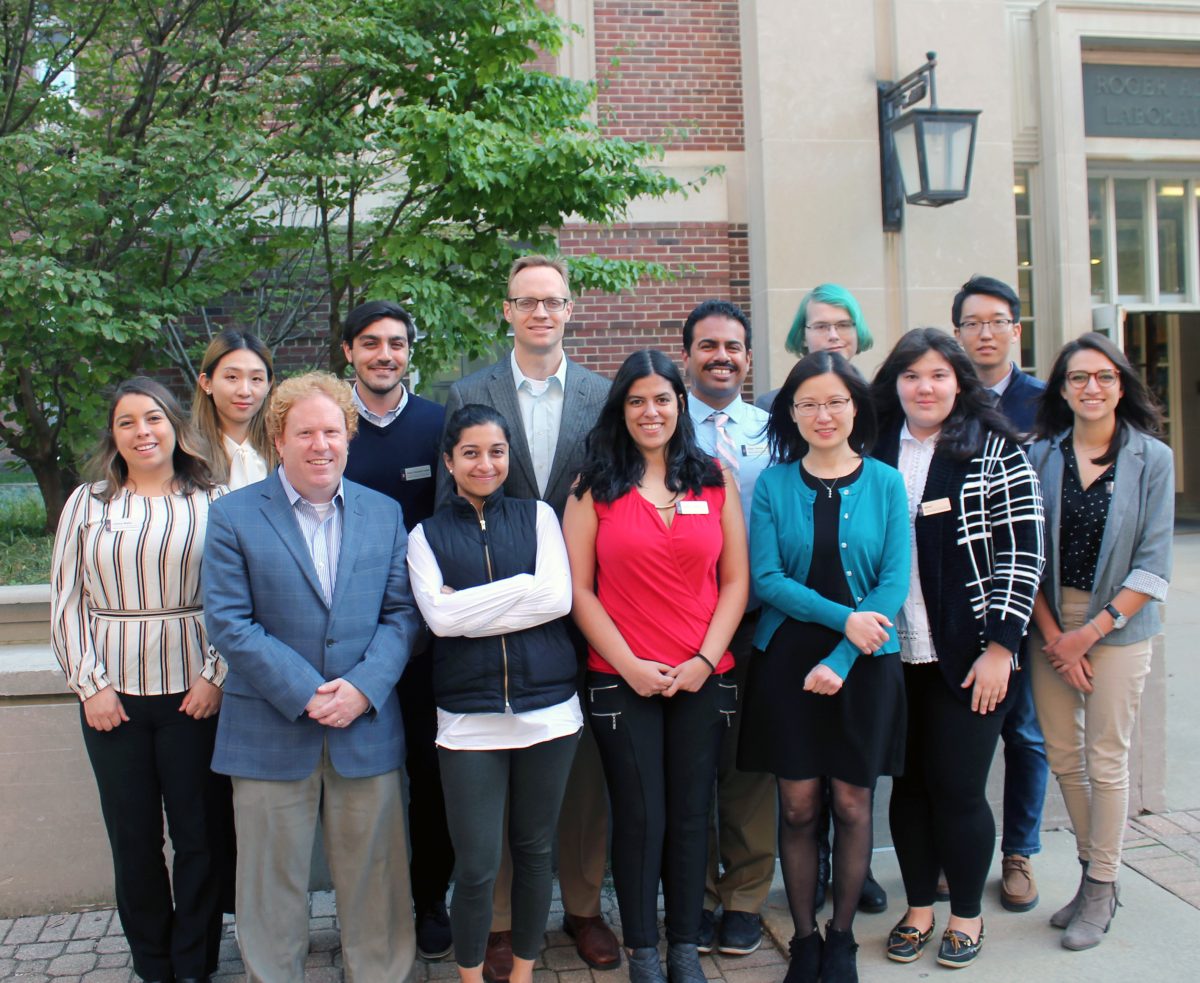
pixel 828 487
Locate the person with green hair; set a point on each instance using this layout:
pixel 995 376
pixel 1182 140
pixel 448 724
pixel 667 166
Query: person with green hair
pixel 829 319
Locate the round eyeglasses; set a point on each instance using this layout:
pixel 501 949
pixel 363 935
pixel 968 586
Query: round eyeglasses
pixel 527 305
pixel 1105 378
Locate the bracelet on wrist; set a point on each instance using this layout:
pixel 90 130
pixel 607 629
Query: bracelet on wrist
pixel 1096 628
pixel 711 666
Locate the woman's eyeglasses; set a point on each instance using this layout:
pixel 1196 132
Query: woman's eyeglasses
pixel 1105 378
pixel 835 406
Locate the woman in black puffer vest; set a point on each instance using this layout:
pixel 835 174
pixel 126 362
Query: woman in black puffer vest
pixel 490 576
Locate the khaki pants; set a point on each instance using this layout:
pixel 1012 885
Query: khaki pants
pixel 1088 736
pixel 363 820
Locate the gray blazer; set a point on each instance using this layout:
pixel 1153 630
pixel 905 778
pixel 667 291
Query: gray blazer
pixel 1135 551
pixel 582 401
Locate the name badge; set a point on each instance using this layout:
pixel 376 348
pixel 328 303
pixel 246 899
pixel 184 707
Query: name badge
pixel 1108 486
pixel 421 471
pixel 692 508
pixel 753 450
pixel 121 523
pixel 937 506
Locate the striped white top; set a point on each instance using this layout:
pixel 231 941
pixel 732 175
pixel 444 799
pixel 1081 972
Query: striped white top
pixel 125 593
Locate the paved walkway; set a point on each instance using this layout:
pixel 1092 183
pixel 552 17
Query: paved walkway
pixel 1161 889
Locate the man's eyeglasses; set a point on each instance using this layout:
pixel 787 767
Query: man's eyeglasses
pixel 824 327
pixel 998 325
pixel 835 406
pixel 527 305
pixel 1105 378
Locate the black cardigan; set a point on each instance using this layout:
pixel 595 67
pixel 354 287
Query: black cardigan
pixel 981 561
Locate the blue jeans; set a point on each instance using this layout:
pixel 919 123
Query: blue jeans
pixel 1025 773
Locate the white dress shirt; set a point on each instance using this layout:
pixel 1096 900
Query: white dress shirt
pixel 246 465
pixel 508 605
pixel 375 418
pixel 321 526
pixel 541 402
pixel 916 638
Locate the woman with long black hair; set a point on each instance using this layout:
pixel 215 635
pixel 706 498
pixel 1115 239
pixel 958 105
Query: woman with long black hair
pixel 1110 509
pixel 657 546
pixel 978 544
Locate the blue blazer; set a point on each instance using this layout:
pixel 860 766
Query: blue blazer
pixel 874 534
pixel 266 614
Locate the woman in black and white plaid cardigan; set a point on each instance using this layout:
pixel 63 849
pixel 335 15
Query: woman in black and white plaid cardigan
pixel 978 543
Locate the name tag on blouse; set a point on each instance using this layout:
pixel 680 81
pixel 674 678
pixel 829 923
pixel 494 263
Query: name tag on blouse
pixel 121 523
pixel 691 508
pixel 753 450
pixel 935 507
pixel 422 471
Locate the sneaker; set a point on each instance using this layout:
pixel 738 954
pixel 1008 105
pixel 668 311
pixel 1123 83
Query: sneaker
pixel 707 940
pixel 433 933
pixel 958 949
pixel 906 943
pixel 740 933
pixel 1018 889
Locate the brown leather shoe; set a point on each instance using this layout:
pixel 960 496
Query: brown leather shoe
pixel 1018 889
pixel 498 957
pixel 594 941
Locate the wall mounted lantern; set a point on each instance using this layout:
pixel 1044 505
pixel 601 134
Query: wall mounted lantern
pixel 925 155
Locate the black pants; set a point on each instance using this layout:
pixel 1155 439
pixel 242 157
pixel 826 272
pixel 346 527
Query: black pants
pixel 939 814
pixel 660 762
pixel 160 758
pixel 432 860
pixel 477 784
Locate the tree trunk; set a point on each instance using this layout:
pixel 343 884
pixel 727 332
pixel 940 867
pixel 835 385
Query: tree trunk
pixel 54 482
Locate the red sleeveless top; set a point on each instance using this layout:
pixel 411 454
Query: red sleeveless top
pixel 659 583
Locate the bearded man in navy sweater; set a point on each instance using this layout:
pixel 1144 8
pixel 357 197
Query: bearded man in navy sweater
pixel 395 452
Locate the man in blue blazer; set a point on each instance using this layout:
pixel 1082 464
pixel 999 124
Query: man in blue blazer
pixel 987 322
pixel 551 404
pixel 306 595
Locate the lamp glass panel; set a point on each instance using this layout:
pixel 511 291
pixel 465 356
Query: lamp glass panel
pixel 905 137
pixel 947 151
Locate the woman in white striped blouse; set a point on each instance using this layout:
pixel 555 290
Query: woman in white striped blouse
pixel 229 408
pixel 128 631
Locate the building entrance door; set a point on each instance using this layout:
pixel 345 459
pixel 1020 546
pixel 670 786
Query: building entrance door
pixel 1164 346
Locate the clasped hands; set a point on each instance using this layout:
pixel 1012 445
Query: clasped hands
pixel 1068 655
pixel 656 679
pixel 337 703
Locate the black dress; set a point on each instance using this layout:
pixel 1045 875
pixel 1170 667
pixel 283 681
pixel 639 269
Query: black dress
pixel 857 734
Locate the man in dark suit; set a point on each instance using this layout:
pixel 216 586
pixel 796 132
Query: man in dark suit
pixel 551 403
pixel 396 451
pixel 306 595
pixel 987 322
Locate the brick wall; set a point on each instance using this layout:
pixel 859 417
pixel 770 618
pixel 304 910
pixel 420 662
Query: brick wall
pixel 680 66
pixel 710 261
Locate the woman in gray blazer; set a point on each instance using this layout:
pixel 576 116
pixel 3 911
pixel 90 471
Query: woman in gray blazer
pixel 1109 492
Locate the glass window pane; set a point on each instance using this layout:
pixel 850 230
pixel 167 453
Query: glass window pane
pixel 1169 198
pixel 1129 201
pixel 1021 198
pixel 1096 212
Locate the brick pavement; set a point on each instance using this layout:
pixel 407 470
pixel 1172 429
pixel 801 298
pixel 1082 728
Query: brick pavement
pixel 88 947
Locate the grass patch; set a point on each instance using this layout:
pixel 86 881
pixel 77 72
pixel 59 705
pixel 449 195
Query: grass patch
pixel 25 547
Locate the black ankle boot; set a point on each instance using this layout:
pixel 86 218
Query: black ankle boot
pixel 683 963
pixel 804 966
pixel 839 964
pixel 645 966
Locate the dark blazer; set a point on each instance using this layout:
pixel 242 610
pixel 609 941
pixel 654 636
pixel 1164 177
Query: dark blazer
pixel 584 396
pixel 1020 401
pixel 266 614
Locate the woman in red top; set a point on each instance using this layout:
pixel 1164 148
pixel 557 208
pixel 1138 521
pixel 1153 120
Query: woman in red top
pixel 658 558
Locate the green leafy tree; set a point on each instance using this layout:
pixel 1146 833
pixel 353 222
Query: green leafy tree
pixel 157 156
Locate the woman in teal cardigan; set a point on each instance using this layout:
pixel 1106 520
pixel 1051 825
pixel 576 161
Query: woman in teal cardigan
pixel 829 557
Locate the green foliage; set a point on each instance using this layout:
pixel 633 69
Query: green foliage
pixel 156 156
pixel 25 546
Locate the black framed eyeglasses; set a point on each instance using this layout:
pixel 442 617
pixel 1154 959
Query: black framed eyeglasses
pixel 527 305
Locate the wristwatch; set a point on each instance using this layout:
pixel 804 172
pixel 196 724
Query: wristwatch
pixel 1119 620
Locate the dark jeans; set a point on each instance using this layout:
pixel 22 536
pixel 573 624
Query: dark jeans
pixel 940 816
pixel 159 759
pixel 660 761
pixel 476 785
pixel 1025 772
pixel 432 853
